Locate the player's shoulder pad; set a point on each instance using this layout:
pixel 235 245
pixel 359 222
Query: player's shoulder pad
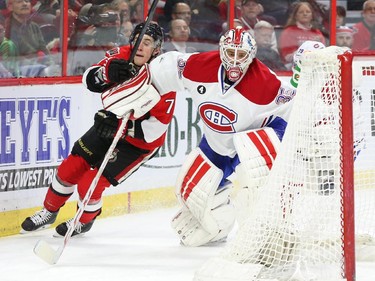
pixel 203 67
pixel 120 52
pixel 259 85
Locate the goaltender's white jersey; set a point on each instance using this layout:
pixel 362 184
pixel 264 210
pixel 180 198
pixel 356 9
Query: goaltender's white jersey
pixel 251 103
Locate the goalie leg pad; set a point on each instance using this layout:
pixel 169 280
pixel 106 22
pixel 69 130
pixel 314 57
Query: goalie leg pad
pixel 189 230
pixel 196 186
pixel 193 234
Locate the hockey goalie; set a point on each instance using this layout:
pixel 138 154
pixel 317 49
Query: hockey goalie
pixel 244 107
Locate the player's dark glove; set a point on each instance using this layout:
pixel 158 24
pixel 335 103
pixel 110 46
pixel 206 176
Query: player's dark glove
pixel 119 70
pixel 106 124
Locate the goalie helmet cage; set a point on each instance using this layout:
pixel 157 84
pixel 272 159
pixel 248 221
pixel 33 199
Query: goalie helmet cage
pixel 302 224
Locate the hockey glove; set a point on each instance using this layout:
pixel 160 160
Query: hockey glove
pixel 106 124
pixel 119 70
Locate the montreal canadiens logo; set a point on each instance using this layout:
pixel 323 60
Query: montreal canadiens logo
pixel 217 117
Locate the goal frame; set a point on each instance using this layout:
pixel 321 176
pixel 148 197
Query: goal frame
pixel 347 162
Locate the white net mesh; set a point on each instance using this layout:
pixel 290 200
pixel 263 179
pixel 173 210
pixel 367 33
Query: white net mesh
pixel 295 230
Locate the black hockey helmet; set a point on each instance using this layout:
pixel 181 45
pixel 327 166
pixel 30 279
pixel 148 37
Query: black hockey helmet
pixel 153 30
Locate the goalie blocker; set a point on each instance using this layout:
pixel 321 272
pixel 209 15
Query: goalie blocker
pixel 257 150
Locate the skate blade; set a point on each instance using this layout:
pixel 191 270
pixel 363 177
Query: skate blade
pixel 22 231
pixel 58 236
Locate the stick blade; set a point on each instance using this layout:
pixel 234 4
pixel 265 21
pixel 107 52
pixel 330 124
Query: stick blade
pixel 45 251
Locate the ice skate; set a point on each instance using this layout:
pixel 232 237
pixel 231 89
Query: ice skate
pixel 40 220
pixel 80 229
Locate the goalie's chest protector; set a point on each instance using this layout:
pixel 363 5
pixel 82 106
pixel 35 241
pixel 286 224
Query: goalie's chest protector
pixel 249 104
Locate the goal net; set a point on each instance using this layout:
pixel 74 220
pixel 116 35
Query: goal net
pixel 302 224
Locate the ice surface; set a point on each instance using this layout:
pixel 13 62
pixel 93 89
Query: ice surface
pixel 136 247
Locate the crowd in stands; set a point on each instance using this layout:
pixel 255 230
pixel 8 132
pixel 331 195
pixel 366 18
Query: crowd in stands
pixel 30 30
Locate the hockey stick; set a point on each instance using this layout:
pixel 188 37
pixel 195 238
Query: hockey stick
pixel 43 249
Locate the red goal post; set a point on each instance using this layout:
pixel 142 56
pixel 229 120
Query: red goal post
pixel 317 210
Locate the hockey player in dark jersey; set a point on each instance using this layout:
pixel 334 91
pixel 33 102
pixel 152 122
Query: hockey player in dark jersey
pixel 117 79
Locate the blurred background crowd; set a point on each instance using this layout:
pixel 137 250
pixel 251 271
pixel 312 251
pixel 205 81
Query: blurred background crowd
pixel 31 30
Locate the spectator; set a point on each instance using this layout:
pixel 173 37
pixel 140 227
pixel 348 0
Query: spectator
pixel 54 44
pixel 223 9
pixel 263 32
pixel 340 16
pixel 321 15
pixel 99 26
pixel 251 10
pixel 208 21
pixel 136 12
pixel 179 33
pixel 72 16
pixel 300 27
pixel 277 9
pixel 169 4
pixel 225 26
pixel 126 30
pixel 8 55
pixel 364 31
pixel 344 36
pixel 355 5
pixel 45 11
pixel 26 35
pixel 182 11
pixel 124 9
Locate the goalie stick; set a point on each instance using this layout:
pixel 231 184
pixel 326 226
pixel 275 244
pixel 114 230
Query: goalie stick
pixel 43 249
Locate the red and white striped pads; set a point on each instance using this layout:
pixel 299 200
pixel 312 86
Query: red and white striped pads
pixel 197 183
pixel 260 145
pixel 197 170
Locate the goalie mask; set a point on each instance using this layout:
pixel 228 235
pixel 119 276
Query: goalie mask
pixel 153 30
pixel 237 51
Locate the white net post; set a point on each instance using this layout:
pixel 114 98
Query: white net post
pixel 302 226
